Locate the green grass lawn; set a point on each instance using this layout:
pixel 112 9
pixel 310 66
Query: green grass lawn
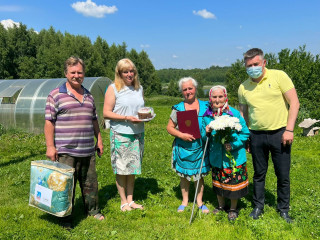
pixel 157 188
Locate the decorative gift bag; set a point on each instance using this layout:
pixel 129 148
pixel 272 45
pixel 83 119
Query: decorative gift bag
pixel 51 187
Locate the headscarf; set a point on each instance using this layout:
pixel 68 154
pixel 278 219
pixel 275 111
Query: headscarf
pixel 218 111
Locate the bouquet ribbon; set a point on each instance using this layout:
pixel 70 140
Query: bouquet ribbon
pixel 233 163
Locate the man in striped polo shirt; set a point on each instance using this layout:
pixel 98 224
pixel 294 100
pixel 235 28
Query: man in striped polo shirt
pixel 70 127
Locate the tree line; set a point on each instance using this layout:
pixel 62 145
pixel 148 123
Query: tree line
pixel 26 54
pixel 208 76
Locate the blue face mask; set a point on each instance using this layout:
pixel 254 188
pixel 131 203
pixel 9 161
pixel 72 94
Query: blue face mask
pixel 254 72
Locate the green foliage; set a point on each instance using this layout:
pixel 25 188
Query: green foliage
pixel 157 188
pixel 147 74
pixel 301 66
pixel 200 92
pixel 173 89
pixel 25 54
pixel 2 129
pixel 209 76
pixel 206 76
pixel 235 76
pixel 161 100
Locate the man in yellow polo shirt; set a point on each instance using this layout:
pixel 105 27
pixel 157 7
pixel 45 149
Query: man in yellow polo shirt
pixel 270 105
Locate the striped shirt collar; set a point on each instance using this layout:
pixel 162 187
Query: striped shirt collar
pixel 63 89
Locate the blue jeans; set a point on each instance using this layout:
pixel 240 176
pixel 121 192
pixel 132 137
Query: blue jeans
pixel 262 143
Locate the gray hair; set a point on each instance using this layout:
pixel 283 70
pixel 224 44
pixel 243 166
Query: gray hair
pixel 251 53
pixel 187 79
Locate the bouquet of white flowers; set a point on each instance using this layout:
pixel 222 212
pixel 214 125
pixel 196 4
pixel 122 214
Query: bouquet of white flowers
pixel 224 126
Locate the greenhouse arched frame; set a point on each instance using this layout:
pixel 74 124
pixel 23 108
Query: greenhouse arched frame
pixel 22 101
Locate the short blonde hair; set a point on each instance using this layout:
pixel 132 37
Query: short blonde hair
pixel 125 64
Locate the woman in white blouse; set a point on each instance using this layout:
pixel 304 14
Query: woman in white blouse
pixel 122 101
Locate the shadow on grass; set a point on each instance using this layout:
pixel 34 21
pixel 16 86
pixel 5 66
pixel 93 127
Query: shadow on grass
pixel 78 214
pixel 270 198
pixel 210 196
pixel 142 187
pixel 18 160
pixel 106 193
pixel 145 185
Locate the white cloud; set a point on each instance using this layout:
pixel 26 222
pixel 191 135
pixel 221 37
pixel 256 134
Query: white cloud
pixel 174 56
pixel 11 8
pixel 9 23
pixel 239 47
pixel 204 13
pixel 91 9
pixel 240 26
pixel 144 45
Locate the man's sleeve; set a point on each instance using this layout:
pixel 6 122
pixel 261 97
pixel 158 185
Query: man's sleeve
pixel 285 82
pixel 241 98
pixel 50 110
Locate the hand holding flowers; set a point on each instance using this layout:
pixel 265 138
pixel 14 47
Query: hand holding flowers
pixel 224 126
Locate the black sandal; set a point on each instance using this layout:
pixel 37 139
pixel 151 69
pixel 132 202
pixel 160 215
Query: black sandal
pixel 233 214
pixel 218 209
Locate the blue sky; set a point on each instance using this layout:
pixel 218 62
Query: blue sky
pixel 179 33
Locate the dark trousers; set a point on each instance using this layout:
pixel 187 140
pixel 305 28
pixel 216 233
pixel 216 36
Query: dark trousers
pixel 85 173
pixel 261 143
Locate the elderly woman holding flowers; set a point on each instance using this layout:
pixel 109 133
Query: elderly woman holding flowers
pixel 227 154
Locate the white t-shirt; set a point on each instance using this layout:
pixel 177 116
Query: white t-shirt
pixel 128 102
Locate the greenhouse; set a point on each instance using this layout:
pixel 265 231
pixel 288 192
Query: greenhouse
pixel 22 102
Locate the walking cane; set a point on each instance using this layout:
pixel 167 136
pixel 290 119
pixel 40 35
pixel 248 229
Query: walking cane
pixel 195 196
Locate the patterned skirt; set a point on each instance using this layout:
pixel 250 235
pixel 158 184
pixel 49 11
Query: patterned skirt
pixel 187 158
pixel 126 152
pixel 228 185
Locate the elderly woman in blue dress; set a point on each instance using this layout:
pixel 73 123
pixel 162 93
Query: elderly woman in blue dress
pixel 228 181
pixel 187 151
pixel 122 101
